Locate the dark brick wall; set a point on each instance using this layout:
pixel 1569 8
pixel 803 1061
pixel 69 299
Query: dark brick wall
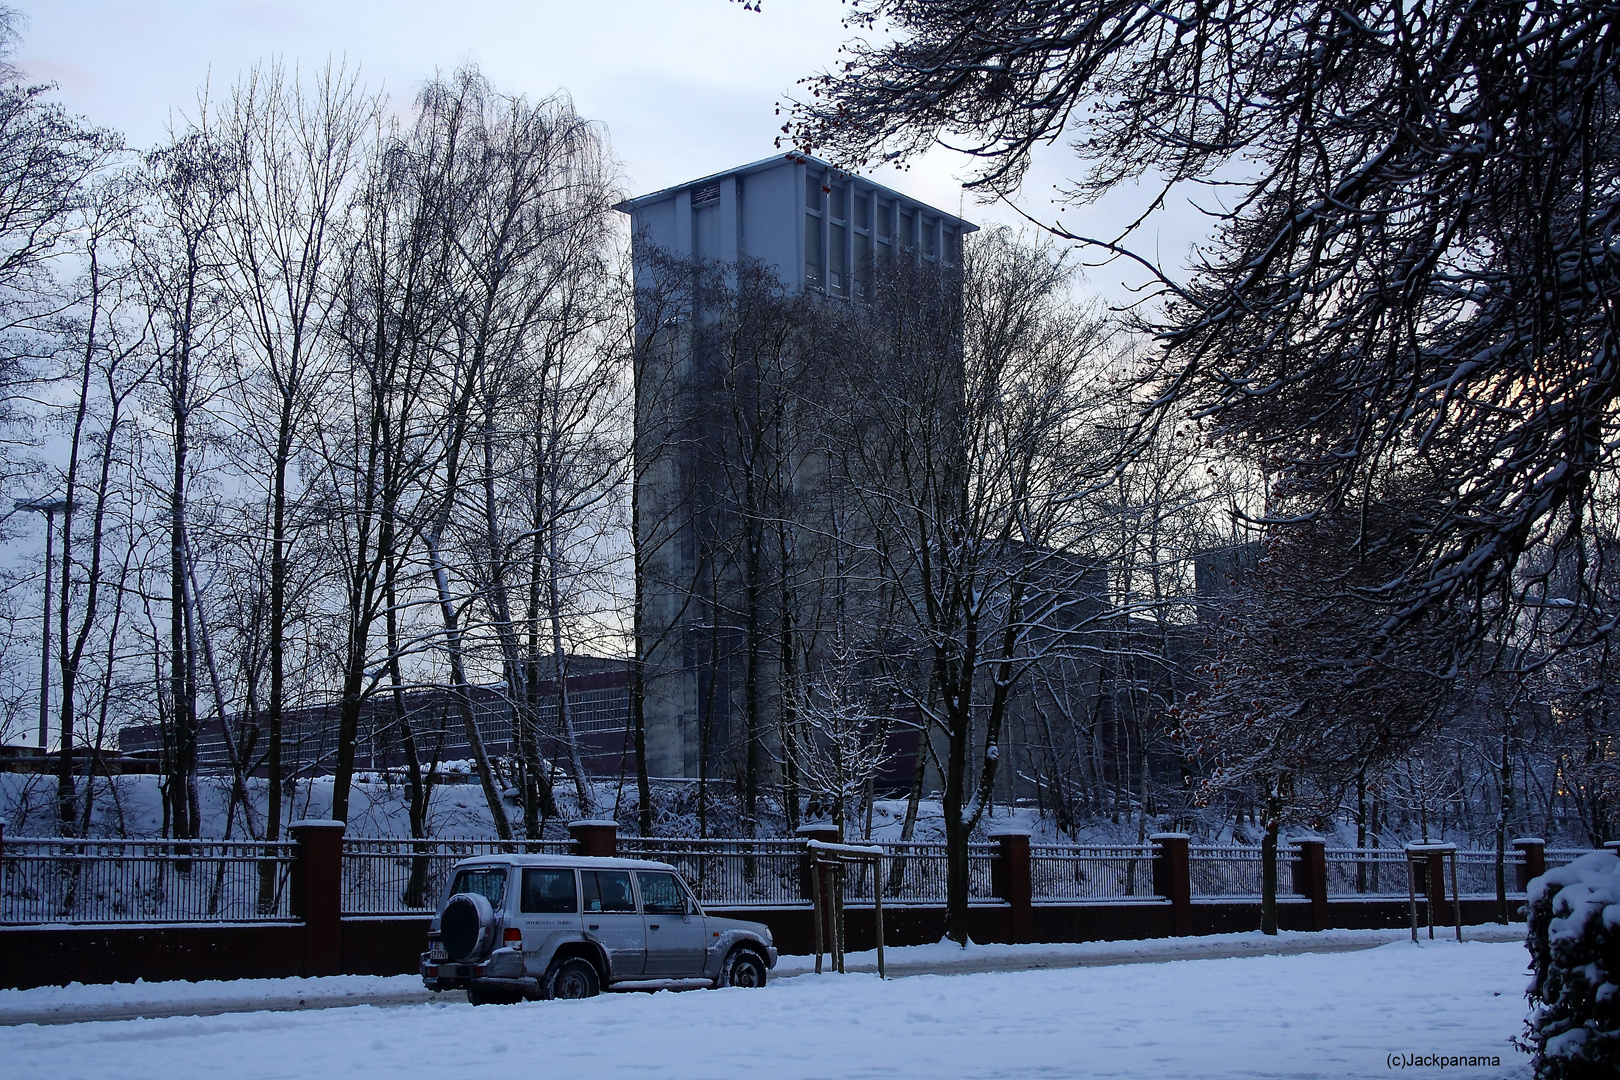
pixel 47 956
pixel 384 946
pixel 40 956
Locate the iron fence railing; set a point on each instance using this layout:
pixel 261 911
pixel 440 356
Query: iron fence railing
pixel 728 873
pixel 917 873
pixel 1088 872
pixel 67 880
pixel 1476 873
pixel 406 877
pixel 1223 870
pixel 1366 872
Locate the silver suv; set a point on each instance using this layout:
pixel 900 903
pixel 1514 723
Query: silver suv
pixel 553 926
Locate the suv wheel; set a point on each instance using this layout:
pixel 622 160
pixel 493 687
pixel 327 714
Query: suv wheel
pixel 744 967
pixel 571 979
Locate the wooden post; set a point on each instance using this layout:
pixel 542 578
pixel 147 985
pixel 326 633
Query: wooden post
pixel 1432 857
pixel 877 908
pixel 1435 878
pixel 835 872
pixel 1456 894
pixel 815 900
pixel 1411 894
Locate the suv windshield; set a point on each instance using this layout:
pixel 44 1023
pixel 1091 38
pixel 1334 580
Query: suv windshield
pixel 488 882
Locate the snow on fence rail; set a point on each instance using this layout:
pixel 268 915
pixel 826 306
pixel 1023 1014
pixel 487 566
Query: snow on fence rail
pixel 1089 872
pixel 66 880
pixel 408 877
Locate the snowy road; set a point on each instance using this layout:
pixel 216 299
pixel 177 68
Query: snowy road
pixel 132 1001
pixel 1309 1015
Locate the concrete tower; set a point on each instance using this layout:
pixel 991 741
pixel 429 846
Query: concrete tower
pixel 817 229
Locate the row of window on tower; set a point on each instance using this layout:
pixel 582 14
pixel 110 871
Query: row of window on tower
pixel 848 226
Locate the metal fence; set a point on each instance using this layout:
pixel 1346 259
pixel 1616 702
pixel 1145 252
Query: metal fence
pixel 64 880
pixel 1227 870
pixel 917 873
pixel 408 877
pixel 728 873
pixel 1081 872
pixel 1366 872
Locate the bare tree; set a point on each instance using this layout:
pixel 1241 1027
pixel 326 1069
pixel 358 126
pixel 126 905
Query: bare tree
pixel 296 149
pixel 186 184
pixel 108 363
pixel 1409 272
pixel 47 160
pixel 975 452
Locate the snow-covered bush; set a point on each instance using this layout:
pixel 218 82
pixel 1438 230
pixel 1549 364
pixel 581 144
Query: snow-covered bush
pixel 1574 943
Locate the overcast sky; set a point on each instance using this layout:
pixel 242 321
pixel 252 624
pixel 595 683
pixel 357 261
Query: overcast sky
pixel 684 87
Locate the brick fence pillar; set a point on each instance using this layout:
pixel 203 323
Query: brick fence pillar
pixel 1172 878
pixel 1532 860
pixel 598 839
pixel 1310 878
pixel 1010 878
pixel 316 893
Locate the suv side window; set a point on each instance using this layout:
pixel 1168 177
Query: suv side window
pixel 607 890
pixel 661 894
pixel 549 892
pixel 488 881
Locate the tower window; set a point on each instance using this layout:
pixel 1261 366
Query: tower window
pixel 812 251
pixel 836 257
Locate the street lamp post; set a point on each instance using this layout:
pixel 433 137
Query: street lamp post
pixel 49 507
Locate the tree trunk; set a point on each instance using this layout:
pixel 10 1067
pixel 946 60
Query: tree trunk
pixel 1504 810
pixel 1268 867
pixel 458 681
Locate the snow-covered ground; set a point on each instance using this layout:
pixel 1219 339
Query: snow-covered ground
pixel 1307 1015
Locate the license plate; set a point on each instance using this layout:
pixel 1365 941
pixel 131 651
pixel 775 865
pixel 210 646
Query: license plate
pixel 436 951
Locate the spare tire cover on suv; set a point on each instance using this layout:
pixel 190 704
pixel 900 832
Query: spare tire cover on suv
pixel 467 926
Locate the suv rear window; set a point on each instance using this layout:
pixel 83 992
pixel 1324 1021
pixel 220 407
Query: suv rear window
pixel 488 882
pixel 549 892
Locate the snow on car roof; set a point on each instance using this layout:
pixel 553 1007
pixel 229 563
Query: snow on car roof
pixel 584 862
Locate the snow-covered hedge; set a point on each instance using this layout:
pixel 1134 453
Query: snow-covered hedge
pixel 1574 943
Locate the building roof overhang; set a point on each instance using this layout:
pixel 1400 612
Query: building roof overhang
pixel 631 205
